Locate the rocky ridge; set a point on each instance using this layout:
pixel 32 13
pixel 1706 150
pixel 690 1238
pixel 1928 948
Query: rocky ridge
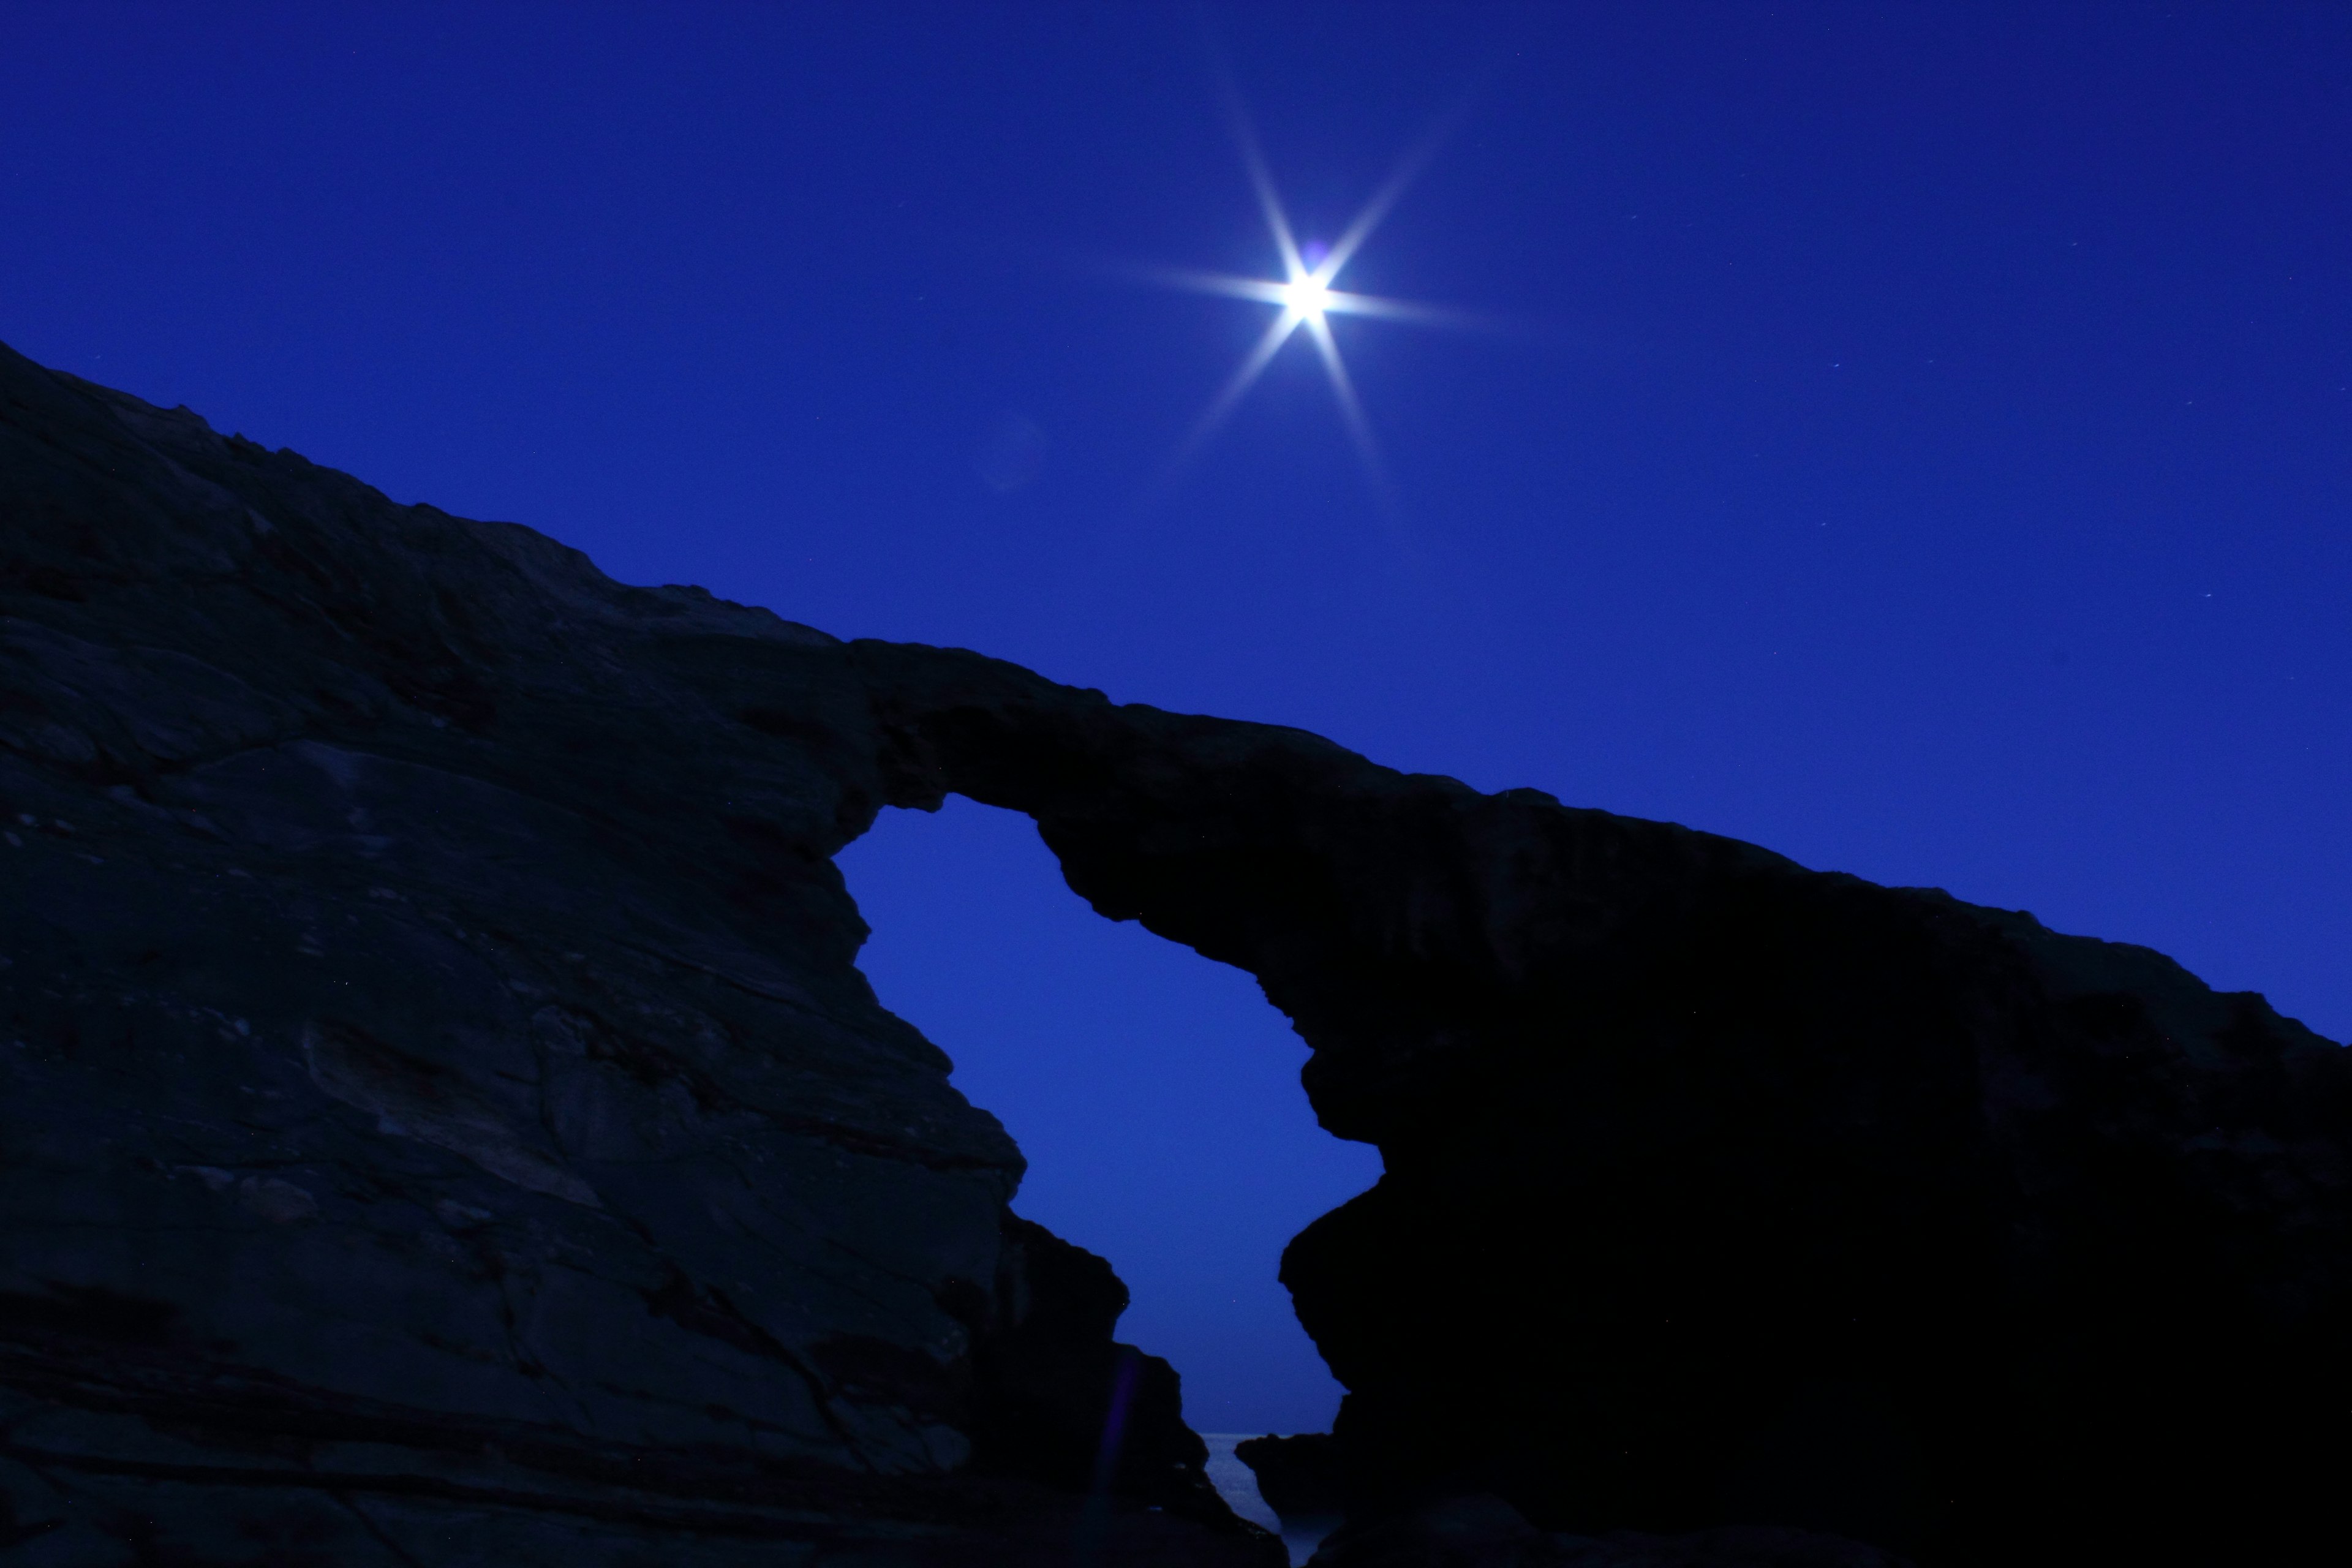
pixel 445 1121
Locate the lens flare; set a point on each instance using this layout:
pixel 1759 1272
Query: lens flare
pixel 1305 298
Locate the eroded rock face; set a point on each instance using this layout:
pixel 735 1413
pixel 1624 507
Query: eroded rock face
pixel 1481 1531
pixel 442 1007
pixel 1298 1476
pixel 442 1120
pixel 1720 1192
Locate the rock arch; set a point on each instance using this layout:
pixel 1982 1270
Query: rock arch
pixel 442 1085
pixel 1719 1190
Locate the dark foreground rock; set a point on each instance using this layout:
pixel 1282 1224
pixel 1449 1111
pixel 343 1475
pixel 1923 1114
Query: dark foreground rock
pixel 443 1110
pixel 1723 1193
pixel 1485 1531
pixel 440 1117
pixel 1298 1476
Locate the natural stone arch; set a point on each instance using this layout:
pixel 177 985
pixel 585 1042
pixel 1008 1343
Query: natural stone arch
pixel 1705 1173
pixel 1718 1189
pixel 1155 1095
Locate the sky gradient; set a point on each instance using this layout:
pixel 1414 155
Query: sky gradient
pixel 1913 437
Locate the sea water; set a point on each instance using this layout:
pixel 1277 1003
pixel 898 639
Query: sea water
pixel 1237 1484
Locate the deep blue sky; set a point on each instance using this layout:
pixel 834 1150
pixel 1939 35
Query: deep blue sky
pixel 1921 445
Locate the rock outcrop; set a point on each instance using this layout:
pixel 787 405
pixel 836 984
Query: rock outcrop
pixel 1299 1477
pixel 1480 1531
pixel 445 1122
pixel 1720 1192
pixel 442 1119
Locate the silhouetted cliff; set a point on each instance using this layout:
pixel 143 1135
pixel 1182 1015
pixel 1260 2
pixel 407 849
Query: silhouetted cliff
pixel 445 1120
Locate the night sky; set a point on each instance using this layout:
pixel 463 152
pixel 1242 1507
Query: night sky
pixel 1913 437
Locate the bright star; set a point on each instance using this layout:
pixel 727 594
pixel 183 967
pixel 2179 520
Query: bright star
pixel 1305 296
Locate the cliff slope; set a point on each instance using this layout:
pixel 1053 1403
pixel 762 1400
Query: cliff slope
pixel 443 1119
pixel 1720 1192
pixel 443 1101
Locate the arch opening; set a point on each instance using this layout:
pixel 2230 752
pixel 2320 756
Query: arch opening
pixel 1155 1095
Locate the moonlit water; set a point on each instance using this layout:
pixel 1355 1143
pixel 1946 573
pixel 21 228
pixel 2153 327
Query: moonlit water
pixel 1237 1484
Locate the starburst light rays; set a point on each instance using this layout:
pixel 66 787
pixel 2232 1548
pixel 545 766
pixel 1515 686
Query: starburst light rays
pixel 1261 178
pixel 1351 408
pixel 1376 211
pixel 1303 296
pixel 1268 344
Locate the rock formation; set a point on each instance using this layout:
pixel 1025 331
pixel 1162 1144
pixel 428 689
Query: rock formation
pixel 1299 1477
pixel 1720 1191
pixel 445 1122
pixel 1481 1531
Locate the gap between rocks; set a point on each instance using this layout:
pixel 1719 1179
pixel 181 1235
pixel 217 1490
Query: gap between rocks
pixel 1154 1093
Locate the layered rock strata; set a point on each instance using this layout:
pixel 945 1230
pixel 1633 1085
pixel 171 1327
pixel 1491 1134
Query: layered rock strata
pixel 442 1119
pixel 444 1101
